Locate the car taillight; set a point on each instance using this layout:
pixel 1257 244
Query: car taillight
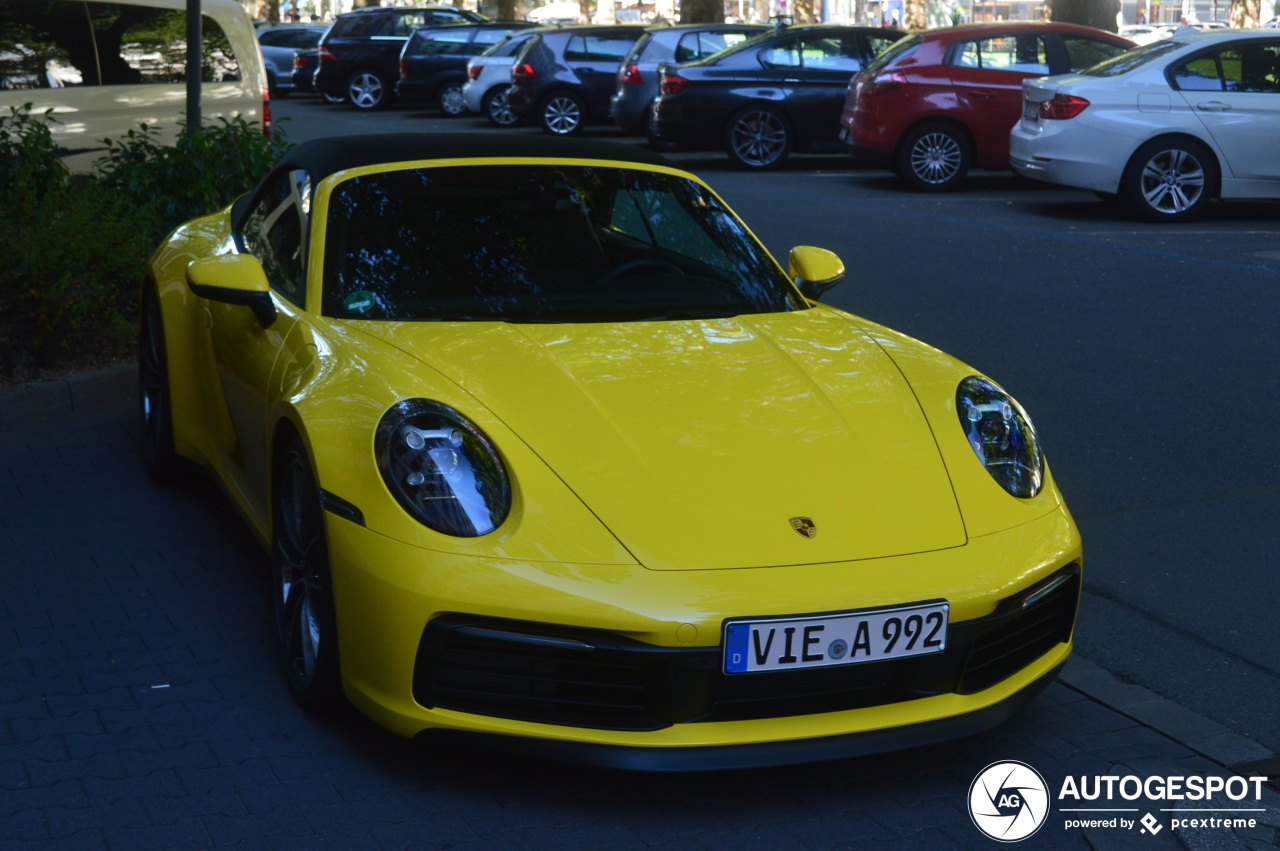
pixel 631 75
pixel 1061 107
pixel 523 70
pixel 299 62
pixel 404 70
pixel 672 85
pixel 473 72
pixel 327 55
pixel 883 84
pixel 266 112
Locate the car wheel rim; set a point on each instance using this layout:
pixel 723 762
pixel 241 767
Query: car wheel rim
pixel 562 115
pixel 759 138
pixel 299 547
pixel 451 101
pixel 153 381
pixel 365 90
pixel 499 111
pixel 1173 181
pixel 936 158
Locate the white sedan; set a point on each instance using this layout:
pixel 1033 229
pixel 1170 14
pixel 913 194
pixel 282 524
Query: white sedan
pixel 1166 126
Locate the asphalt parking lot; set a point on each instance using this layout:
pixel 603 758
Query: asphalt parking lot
pixel 141 705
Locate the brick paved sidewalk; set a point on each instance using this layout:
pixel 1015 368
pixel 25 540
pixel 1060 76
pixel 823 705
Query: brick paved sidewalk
pixel 141 707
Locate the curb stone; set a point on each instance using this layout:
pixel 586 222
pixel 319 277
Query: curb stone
pixel 39 400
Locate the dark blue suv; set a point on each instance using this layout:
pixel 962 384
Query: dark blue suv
pixel 563 79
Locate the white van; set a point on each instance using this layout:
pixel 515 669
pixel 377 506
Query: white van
pixel 106 67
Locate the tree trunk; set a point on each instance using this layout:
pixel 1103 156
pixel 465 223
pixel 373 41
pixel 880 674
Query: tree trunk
pixel 701 12
pixel 364 4
pixel 1100 14
pixel 585 8
pixel 1246 13
pixel 802 12
pixel 762 10
pixel 507 10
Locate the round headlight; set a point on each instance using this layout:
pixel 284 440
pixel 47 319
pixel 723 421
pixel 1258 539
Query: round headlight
pixel 442 469
pixel 1001 435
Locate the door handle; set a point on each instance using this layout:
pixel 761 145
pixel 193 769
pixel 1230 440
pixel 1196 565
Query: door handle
pixel 983 94
pixel 1213 106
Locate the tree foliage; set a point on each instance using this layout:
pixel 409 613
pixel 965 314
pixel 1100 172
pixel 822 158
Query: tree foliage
pixel 701 12
pixel 1246 13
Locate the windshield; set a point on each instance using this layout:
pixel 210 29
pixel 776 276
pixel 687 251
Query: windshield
pixel 1130 59
pixel 541 243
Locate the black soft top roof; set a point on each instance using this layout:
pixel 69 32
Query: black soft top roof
pixel 323 157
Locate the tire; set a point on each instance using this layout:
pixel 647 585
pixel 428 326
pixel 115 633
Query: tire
pixel 495 108
pixel 562 114
pixel 1169 180
pixel 302 586
pixel 450 101
pixel 758 138
pixel 934 157
pixel 162 462
pixel 368 90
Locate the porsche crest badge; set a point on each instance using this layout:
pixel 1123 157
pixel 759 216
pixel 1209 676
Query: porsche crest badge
pixel 804 526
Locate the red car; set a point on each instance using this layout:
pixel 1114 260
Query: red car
pixel 939 102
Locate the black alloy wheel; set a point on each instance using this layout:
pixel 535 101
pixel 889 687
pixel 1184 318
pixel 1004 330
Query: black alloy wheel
pixel 758 138
pixel 496 109
pixel 162 461
pixel 934 157
pixel 1169 180
pixel 302 586
pixel 562 114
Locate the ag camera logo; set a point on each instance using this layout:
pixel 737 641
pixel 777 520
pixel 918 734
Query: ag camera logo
pixel 1008 801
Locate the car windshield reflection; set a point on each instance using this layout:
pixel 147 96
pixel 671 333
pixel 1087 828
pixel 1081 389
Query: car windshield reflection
pixel 551 243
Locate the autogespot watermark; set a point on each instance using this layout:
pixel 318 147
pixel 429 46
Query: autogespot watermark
pixel 1009 801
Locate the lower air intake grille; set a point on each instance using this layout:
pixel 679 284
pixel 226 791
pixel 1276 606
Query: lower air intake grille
pixel 583 678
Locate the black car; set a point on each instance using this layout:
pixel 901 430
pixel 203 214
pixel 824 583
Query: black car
pixel 360 55
pixel 562 79
pixel 433 64
pixel 768 96
pixel 637 83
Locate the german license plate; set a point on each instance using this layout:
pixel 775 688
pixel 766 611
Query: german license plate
pixel 787 644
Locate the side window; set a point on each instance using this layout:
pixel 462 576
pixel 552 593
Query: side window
pixel 140 45
pixel 1198 75
pixel 1259 68
pixel 576 49
pixel 688 49
pixel 45 44
pixel 450 43
pixel 831 54
pixel 276 38
pixel 879 43
pixel 784 55
pixel 1023 53
pixel 486 38
pixel 1086 52
pixel 275 232
pixel 607 48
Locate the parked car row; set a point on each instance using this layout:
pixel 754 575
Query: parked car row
pixel 1165 128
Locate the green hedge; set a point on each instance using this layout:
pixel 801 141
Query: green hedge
pixel 75 246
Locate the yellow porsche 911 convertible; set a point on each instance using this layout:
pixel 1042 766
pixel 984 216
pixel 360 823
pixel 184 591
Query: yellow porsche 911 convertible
pixel 550 455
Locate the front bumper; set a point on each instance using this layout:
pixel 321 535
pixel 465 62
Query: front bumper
pixel 394 600
pixel 754 755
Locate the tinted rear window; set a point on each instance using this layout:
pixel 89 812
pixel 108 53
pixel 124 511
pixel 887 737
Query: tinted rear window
pixel 901 48
pixel 1128 61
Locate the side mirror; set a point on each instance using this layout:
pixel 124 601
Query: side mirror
pixel 233 279
pixel 815 270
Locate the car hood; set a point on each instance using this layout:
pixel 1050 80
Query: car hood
pixel 701 444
